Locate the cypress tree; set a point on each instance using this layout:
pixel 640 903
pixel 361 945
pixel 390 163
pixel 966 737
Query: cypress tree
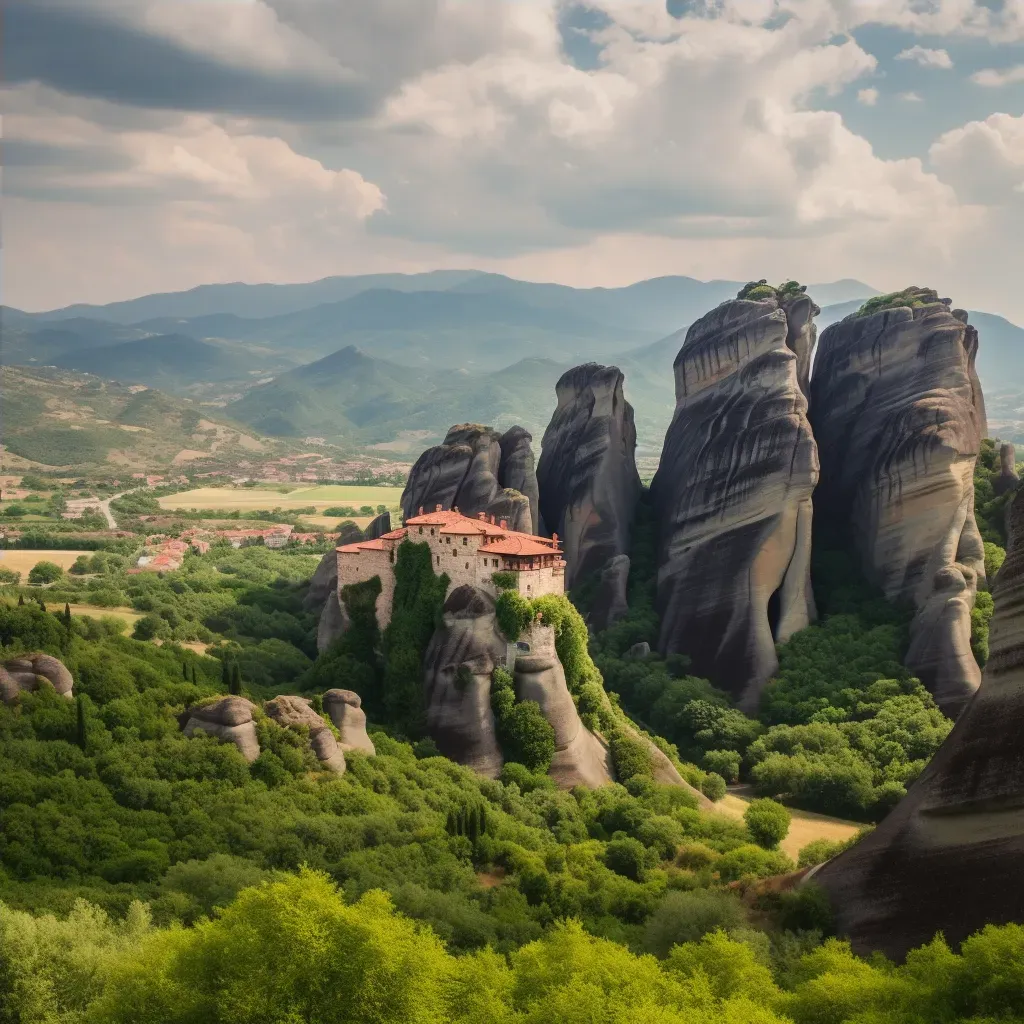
pixel 67 615
pixel 184 671
pixel 193 671
pixel 21 600
pixel 225 674
pixel 236 680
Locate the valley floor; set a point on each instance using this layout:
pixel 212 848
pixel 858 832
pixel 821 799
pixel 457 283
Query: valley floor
pixel 805 827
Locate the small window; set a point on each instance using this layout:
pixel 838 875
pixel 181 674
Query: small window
pixel 467 565
pixel 431 531
pixel 465 540
pixel 438 559
pixel 447 540
pixel 495 562
pixel 421 530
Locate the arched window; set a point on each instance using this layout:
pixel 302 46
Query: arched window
pixel 438 559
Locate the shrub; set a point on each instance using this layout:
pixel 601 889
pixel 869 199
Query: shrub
pixel 767 822
pixel 689 916
pixel 725 763
pixel 9 576
pixel 505 580
pixel 149 627
pixel 630 757
pixel 713 786
pixel 628 857
pixel 817 851
pixel 514 614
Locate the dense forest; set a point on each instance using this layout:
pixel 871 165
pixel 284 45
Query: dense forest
pixel 149 876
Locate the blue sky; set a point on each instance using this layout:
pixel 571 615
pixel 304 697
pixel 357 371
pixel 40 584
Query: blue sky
pixel 166 143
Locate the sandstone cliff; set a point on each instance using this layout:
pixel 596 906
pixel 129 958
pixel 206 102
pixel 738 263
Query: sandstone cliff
pixel 589 485
pixel 25 672
pixel 476 469
pixel 948 857
pixel 458 663
pixel 229 719
pixel 732 495
pixel 377 527
pixel 1007 479
pixel 898 415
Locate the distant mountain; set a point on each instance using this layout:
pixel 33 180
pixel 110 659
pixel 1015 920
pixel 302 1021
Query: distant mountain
pixel 256 300
pixel 351 396
pixel 167 361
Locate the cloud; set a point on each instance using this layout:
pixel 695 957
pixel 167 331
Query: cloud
pixel 926 58
pixel 868 97
pixel 984 160
pixel 993 78
pixel 911 97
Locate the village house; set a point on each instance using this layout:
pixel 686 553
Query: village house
pixel 467 549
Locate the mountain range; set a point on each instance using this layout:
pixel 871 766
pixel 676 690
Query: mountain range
pixel 373 358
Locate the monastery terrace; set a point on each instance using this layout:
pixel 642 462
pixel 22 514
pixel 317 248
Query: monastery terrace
pixel 468 550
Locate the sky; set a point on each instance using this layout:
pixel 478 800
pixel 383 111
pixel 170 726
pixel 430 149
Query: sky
pixel 153 145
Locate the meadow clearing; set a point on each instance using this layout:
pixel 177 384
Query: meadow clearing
pixel 268 497
pixel 24 561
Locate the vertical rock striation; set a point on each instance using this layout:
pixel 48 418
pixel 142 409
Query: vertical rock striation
pixel 732 495
pixel 948 857
pixel 1007 479
pixel 229 719
pixel 345 710
pixel 898 415
pixel 476 469
pixel 589 485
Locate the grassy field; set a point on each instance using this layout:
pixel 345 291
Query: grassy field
pixel 331 522
pixel 805 826
pixel 129 615
pixel 23 561
pixel 243 498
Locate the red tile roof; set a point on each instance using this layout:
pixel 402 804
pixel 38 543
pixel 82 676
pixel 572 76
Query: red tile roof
pixel 362 545
pixel 518 544
pixel 452 522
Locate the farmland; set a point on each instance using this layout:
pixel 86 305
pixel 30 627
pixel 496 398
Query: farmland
pixel 245 498
pixel 24 561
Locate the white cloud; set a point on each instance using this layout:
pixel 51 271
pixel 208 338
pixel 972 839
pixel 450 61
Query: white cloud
pixel 984 160
pixel 869 97
pixel 993 78
pixel 911 97
pixel 926 58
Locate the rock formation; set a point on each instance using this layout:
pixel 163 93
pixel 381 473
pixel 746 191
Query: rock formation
pixel 290 712
pixel 378 526
pixel 476 469
pixel 899 416
pixel 610 603
pixel 589 485
pixel 733 493
pixel 229 719
pixel 1007 479
pixel 948 857
pixel 322 583
pixel 25 672
pixel 334 621
pixel 458 663
pixel 345 710
pixel 580 759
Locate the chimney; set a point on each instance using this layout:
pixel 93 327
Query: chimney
pixel 421 510
pixel 437 508
pixel 503 525
pixel 554 539
pixel 482 516
pixel 455 508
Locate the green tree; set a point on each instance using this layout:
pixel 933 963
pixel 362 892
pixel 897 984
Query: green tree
pixel 45 572
pixel 767 822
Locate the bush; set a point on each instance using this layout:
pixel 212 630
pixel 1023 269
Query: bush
pixel 630 757
pixel 45 572
pixel 818 851
pixel 713 786
pixel 9 576
pixel 767 822
pixel 628 857
pixel 723 762
pixel 689 916
pixel 149 627
pixel 525 735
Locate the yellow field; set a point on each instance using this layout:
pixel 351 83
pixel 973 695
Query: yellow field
pixel 331 522
pixel 805 826
pixel 23 561
pixel 244 498
pixel 129 615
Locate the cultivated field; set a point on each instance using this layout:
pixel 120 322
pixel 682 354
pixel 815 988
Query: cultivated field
pixel 23 561
pixel 244 498
pixel 805 826
pixel 129 615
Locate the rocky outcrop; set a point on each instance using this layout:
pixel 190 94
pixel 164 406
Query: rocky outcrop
pixel 589 485
pixel 474 470
pixel 378 526
pixel 345 710
pixel 290 712
pixel 947 858
pixel 732 495
pixel 610 603
pixel 458 663
pixel 898 415
pixel 334 621
pixel 229 719
pixel 27 671
pixel 323 582
pixel 580 758
pixel 1007 479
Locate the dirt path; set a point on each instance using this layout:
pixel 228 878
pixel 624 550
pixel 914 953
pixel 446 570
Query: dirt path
pixel 805 826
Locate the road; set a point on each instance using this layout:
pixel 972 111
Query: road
pixel 104 507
